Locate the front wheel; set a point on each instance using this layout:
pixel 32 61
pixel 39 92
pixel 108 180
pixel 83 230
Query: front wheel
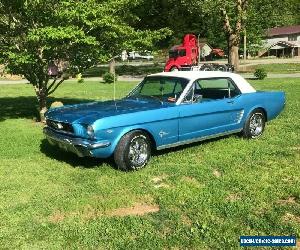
pixel 255 124
pixel 206 67
pixel 174 68
pixel 133 151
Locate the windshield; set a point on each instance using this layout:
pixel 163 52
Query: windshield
pixel 162 88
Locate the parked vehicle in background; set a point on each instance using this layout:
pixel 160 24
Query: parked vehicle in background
pixel 146 55
pixel 124 56
pixel 188 54
pixel 165 110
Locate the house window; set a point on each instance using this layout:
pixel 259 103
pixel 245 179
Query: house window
pixel 292 38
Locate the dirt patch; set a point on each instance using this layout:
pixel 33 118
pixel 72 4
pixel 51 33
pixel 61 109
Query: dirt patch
pixel 288 217
pixel 135 210
pixel 217 173
pixel 161 185
pixel 57 217
pixel 90 213
pixel 158 181
pixel 191 180
pixel 186 220
pixel 296 148
pixel 141 206
pixel 233 197
pixel 289 200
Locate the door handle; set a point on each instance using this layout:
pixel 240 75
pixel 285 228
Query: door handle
pixel 230 101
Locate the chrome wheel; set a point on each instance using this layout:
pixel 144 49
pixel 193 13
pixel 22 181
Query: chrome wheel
pixel 256 124
pixel 138 151
pixel 133 151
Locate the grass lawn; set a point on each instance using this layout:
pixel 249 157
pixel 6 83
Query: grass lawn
pixel 280 68
pixel 202 196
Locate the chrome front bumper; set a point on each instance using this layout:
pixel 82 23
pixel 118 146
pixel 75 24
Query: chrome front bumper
pixel 79 146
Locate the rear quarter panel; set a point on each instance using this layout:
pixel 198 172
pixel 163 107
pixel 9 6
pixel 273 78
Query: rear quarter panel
pixel 272 102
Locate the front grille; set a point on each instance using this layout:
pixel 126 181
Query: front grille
pixel 60 126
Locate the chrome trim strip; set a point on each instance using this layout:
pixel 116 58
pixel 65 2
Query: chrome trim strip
pixel 203 138
pixel 74 141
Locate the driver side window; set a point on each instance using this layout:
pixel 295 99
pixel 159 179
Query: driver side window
pixel 211 89
pixel 217 88
pixel 193 95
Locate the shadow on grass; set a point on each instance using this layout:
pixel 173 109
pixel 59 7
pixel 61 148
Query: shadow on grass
pixel 27 106
pixel 251 78
pixel 90 162
pixel 72 159
pixel 194 144
pixel 126 69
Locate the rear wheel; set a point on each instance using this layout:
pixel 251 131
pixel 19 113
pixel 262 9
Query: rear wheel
pixel 133 151
pixel 221 68
pixel 255 124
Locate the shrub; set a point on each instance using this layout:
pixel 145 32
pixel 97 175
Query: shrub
pixel 56 104
pixel 260 74
pixel 109 77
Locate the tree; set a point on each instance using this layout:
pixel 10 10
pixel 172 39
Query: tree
pixel 233 29
pixel 48 40
pixel 223 23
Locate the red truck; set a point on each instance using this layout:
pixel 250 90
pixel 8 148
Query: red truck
pixel 186 56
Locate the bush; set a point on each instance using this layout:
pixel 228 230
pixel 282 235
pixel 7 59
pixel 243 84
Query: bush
pixel 56 104
pixel 109 77
pixel 260 74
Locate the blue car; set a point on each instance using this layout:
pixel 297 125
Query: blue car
pixel 165 110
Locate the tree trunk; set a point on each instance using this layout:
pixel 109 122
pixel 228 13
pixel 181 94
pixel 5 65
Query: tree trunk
pixel 112 66
pixel 233 53
pixel 42 100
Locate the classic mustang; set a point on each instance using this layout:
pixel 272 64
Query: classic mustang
pixel 165 110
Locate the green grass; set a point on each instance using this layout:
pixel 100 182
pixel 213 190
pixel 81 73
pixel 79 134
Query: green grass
pixel 208 193
pixel 280 68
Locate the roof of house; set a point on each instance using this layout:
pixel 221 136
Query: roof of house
pixel 285 44
pixel 286 30
pixel 201 45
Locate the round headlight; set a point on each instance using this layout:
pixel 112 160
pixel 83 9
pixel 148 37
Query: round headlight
pixel 90 131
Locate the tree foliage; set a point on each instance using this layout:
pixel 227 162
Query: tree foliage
pixel 205 18
pixel 69 34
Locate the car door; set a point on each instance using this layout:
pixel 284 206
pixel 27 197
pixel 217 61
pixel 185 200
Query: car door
pixel 211 107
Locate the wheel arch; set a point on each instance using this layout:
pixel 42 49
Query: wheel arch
pixel 258 108
pixel 131 129
pixel 151 137
pixel 263 110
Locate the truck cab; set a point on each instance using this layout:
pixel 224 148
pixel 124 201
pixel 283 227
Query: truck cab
pixel 185 54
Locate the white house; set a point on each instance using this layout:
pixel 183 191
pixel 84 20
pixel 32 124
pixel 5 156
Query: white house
pixel 283 41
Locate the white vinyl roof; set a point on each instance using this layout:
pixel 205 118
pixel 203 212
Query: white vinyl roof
pixel 192 76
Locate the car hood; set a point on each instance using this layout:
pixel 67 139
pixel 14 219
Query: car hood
pixel 89 112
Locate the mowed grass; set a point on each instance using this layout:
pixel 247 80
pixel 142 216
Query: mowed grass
pixel 284 68
pixel 202 196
